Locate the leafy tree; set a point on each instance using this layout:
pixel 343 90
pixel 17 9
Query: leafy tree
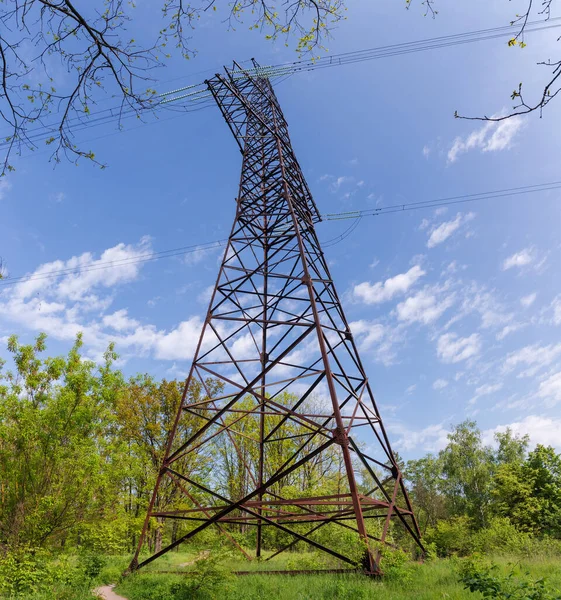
pixel 512 449
pixel 55 414
pixel 146 413
pixel 543 469
pixel 467 471
pixel 425 476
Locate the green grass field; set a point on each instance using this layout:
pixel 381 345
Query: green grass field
pixel 435 579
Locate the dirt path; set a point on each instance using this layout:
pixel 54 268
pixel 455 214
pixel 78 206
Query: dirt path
pixel 106 593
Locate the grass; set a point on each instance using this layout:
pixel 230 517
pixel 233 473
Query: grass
pixel 212 578
pixel 435 579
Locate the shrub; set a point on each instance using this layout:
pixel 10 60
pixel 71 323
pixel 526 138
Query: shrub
pixel 479 576
pixel 452 537
pixel 29 571
pixel 396 565
pixel 500 536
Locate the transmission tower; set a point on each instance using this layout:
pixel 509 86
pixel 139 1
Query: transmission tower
pixel 275 325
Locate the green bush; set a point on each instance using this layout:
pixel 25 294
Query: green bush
pixel 396 565
pixel 31 570
pixel 452 537
pixel 501 536
pixel 478 576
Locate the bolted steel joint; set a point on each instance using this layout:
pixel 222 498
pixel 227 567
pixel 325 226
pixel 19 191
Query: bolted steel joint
pixel 340 437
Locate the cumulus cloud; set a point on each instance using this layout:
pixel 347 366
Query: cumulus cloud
pixel 63 298
pixel 443 231
pixel 491 137
pixel 120 321
pixel 382 291
pixel 519 259
pixel 542 430
pixel 424 307
pixel 368 332
pixel 453 349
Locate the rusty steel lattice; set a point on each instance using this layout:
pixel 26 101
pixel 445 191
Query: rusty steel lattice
pixel 275 325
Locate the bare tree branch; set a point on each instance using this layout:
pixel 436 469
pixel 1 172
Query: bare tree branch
pixel 551 89
pixel 93 47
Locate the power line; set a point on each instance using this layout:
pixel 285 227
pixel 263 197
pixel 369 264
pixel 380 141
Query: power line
pixel 198 95
pixel 141 258
pixel 374 212
pixel 355 216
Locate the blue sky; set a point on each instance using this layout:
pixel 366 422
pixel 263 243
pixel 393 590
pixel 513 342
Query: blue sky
pixel 457 311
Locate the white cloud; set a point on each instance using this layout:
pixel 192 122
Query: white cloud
pixel 452 349
pixel 194 257
pixel 426 151
pixel 120 321
pixel 368 332
pixel 528 300
pixel 519 259
pixel 533 356
pixel 339 182
pixel 491 137
pixel 485 390
pixel 181 343
pixel 488 388
pixel 550 390
pixel 205 295
pixel 556 306
pixel 411 389
pixel 507 330
pixel 5 187
pixel 383 291
pixel 439 384
pixel 60 304
pixel 423 307
pixel 542 430
pixel 430 439
pixel 443 231
pixel 374 337
pixel 77 278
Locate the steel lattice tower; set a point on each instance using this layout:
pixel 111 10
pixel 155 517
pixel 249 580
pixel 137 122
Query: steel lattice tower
pixel 274 325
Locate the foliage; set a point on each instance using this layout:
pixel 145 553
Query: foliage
pixel 55 460
pixel 100 55
pixel 479 576
pixel 206 579
pixel 81 446
pixel 451 537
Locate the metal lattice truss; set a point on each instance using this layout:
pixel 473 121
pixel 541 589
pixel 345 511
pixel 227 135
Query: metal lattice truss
pixel 274 326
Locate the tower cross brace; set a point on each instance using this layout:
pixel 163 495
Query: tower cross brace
pixel 276 364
